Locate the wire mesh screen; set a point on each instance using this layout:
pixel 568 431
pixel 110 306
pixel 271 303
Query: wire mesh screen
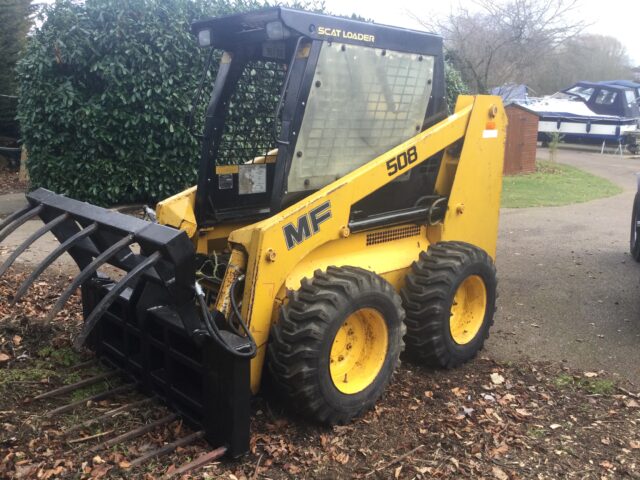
pixel 250 121
pixel 363 102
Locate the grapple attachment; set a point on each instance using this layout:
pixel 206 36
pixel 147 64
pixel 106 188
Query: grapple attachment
pixel 146 323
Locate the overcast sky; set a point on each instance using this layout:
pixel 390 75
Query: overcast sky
pixel 618 18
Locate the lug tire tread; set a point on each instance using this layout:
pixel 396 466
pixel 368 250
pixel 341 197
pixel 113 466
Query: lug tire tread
pixel 426 296
pixel 296 338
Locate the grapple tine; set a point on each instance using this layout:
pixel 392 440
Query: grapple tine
pixel 87 272
pixel 92 398
pixel 47 227
pixel 201 461
pixel 135 432
pixel 13 216
pixel 108 415
pixel 62 248
pixel 109 298
pixel 16 223
pixel 168 448
pixel 75 386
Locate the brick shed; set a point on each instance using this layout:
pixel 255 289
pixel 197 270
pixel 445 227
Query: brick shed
pixel 522 138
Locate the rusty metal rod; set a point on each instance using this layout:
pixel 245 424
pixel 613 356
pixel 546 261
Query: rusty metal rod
pixel 47 227
pixel 135 432
pixel 16 223
pixel 109 414
pixel 201 461
pixel 13 216
pixel 62 248
pixel 110 297
pixel 78 366
pixel 168 448
pixel 92 398
pixel 74 386
pixel 88 272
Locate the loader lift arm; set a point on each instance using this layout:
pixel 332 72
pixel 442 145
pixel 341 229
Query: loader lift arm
pixel 479 123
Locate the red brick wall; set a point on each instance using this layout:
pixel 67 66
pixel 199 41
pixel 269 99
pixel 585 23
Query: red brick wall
pixel 522 137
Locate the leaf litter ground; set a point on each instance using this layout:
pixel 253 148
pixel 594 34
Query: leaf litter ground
pixel 10 182
pixel 485 420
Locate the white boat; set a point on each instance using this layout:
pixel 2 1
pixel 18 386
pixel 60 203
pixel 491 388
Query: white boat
pixel 589 112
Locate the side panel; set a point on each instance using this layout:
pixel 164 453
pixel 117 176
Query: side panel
pixel 376 251
pixel 474 201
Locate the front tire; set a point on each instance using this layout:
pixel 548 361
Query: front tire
pixel 634 240
pixel 337 343
pixel 449 298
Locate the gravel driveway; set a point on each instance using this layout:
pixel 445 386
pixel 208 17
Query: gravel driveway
pixel 569 290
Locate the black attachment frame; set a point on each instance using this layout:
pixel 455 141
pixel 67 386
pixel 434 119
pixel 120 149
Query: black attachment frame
pixel 148 323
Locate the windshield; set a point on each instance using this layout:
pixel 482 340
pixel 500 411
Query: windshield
pixel 363 101
pixel 582 92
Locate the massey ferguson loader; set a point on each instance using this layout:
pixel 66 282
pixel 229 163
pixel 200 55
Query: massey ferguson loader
pixel 340 214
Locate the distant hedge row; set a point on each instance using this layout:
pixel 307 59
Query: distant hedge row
pixel 105 88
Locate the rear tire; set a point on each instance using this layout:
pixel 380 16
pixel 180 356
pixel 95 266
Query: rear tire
pixel 449 298
pixel 634 240
pixel 337 343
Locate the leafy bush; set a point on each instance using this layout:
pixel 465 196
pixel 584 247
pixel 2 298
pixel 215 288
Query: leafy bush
pixel 455 85
pixel 105 87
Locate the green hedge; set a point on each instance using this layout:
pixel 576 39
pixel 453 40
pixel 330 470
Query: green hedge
pixel 455 85
pixel 105 87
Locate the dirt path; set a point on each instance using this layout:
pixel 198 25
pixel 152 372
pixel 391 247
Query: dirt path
pixel 569 290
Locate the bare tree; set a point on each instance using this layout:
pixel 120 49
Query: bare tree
pixel 585 57
pixel 500 42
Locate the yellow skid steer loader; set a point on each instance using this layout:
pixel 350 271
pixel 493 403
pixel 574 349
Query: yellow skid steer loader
pixel 339 214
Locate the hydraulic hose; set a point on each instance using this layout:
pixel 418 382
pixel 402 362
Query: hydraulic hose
pixel 214 331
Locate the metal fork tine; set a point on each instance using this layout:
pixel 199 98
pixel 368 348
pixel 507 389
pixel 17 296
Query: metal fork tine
pixel 109 414
pixel 92 398
pixel 74 386
pixel 110 297
pixel 168 448
pixel 136 432
pixel 199 462
pixel 87 272
pixel 13 225
pixel 13 216
pixel 62 248
pixel 47 227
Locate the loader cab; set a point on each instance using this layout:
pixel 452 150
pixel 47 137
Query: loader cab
pixel 301 99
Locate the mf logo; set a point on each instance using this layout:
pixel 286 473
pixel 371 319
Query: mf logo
pixel 308 224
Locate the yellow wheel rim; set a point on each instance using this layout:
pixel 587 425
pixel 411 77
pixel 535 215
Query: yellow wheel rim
pixel 468 310
pixel 358 351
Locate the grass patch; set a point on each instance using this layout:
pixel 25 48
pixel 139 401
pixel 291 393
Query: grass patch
pixel 536 433
pixel 12 375
pixel 64 356
pixel 594 386
pixel 554 184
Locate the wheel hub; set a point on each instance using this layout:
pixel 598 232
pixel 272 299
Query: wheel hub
pixel 468 310
pixel 358 351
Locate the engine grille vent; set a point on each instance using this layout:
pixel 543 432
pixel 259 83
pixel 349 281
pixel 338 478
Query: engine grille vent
pixel 392 234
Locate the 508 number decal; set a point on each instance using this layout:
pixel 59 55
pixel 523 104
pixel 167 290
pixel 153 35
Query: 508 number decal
pixel 402 161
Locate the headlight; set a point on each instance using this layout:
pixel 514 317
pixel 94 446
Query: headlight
pixel 204 38
pixel 277 31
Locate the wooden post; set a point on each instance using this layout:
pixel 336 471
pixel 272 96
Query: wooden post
pixel 23 175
